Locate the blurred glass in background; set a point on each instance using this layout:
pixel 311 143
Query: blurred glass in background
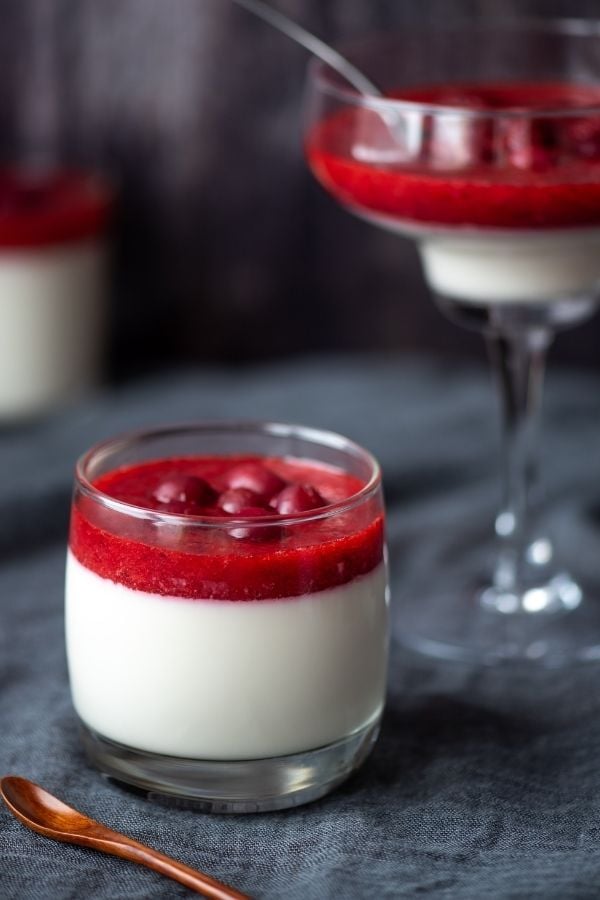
pixel 53 287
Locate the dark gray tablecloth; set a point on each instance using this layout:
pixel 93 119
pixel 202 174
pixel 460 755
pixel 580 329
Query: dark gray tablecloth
pixel 484 782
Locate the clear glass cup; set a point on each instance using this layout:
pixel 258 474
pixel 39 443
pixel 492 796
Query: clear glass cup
pixel 237 662
pixel 503 202
pixel 54 279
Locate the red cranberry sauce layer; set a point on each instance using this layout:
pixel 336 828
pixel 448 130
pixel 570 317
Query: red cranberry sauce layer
pixel 500 172
pixel 218 561
pixel 46 208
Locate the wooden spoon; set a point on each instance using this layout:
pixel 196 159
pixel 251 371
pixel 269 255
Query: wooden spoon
pixel 47 815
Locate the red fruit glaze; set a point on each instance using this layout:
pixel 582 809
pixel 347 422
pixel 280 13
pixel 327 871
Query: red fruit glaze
pixel 54 207
pixel 504 172
pixel 297 498
pixel 255 477
pixel 207 561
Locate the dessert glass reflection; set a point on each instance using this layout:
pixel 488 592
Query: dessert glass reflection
pixel 226 611
pixel 485 150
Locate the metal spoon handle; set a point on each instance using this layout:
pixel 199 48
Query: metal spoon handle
pixel 311 43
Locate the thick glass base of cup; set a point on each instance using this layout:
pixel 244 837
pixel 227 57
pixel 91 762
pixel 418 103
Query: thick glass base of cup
pixel 233 786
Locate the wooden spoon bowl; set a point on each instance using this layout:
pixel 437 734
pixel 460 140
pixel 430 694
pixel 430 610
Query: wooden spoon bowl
pixel 49 816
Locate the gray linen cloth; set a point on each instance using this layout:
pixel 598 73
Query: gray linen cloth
pixel 483 783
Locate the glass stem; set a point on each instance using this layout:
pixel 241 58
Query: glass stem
pixel 518 360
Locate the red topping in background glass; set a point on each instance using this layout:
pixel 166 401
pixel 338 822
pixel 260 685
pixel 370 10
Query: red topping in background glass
pixel 499 172
pixel 219 561
pixel 48 207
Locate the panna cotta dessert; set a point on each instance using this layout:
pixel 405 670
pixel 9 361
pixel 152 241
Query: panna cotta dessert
pixel 53 274
pixel 499 184
pixel 228 607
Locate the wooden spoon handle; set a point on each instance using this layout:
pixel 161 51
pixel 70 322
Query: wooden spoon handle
pixel 49 816
pixel 126 848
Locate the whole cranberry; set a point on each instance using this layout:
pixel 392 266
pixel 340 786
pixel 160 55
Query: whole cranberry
pixel 255 477
pixel 258 533
pixel 188 490
pixel 582 137
pixel 530 144
pixel 235 499
pixel 297 498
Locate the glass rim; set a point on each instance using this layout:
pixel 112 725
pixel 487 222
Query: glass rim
pixel 329 81
pixel 276 429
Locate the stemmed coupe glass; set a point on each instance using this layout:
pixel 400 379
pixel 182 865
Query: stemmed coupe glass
pixel 485 149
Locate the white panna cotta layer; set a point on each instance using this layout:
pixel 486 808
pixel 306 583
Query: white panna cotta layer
pixel 52 324
pixel 486 266
pixel 513 267
pixel 225 680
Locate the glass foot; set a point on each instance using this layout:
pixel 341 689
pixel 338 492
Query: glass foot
pixel 559 594
pixel 234 786
pixel 554 624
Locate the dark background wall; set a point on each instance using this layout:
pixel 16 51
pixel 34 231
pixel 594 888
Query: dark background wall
pixel 225 248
